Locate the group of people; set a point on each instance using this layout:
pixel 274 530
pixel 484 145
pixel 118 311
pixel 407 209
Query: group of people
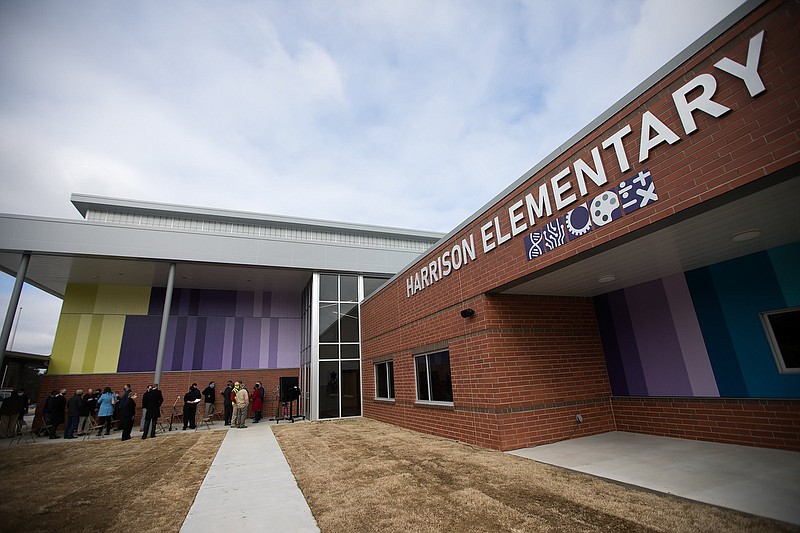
pixel 109 408
pixel 236 400
pixel 104 405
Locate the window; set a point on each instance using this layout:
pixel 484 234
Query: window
pixel 783 333
pixel 434 383
pixel 338 343
pixel 384 380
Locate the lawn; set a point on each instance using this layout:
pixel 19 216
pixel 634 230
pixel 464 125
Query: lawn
pixel 360 475
pixel 104 484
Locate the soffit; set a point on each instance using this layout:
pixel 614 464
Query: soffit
pixel 694 242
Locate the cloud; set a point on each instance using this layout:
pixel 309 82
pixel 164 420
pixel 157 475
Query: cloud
pixel 399 113
pixel 35 324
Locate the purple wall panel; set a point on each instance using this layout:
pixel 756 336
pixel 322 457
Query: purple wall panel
pixel 263 352
pixel 180 302
pixel 137 352
pixel 156 306
pixel 659 349
pixel 289 343
pixel 626 340
pixel 266 304
pixel 244 304
pixel 169 345
pixel 258 304
pixel 690 337
pixel 199 343
pixel 227 344
pixel 213 329
pixel 251 342
pixel 214 343
pixel 285 305
pixel 180 345
pixel 274 335
pixel 216 303
pixel 238 333
pixel 188 342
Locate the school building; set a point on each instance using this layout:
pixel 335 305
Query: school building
pixel 644 277
pixel 246 297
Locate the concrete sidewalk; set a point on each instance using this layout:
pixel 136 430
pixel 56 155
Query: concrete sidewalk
pixel 759 481
pixel 250 485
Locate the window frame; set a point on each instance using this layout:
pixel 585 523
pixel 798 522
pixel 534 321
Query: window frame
pixel 389 380
pixel 774 345
pixel 429 401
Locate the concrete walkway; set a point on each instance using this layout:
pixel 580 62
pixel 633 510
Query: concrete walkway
pixel 250 487
pixel 759 481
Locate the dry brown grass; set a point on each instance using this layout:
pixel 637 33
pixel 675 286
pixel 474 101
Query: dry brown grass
pixel 104 484
pixel 360 475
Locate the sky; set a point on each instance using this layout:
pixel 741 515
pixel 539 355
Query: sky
pixel 411 114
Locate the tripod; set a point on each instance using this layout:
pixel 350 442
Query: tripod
pixel 174 414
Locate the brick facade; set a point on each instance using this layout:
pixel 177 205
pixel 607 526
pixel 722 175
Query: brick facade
pixel 750 422
pixel 523 367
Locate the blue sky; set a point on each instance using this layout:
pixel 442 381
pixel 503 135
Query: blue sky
pixel 410 114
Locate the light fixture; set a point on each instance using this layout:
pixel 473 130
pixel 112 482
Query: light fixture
pixel 747 235
pixel 608 278
pixel 468 312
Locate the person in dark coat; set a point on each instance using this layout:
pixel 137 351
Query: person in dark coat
pixel 210 398
pixel 256 399
pixel 57 407
pixel 227 403
pixel 190 401
pixel 127 412
pixel 9 412
pixel 87 407
pixel 25 403
pixel 74 407
pixel 152 401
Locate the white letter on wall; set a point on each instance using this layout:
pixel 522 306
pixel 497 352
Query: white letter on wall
pixel 663 133
pixel 598 176
pixel 748 72
pixel 702 102
pixel 616 141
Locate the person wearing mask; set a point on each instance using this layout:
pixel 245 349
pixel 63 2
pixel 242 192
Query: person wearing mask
pixel 59 404
pixel 127 412
pixel 209 397
pixel 87 406
pixel 105 411
pixel 257 398
pixel 242 399
pixel 190 401
pixel 152 401
pixel 74 406
pixel 227 403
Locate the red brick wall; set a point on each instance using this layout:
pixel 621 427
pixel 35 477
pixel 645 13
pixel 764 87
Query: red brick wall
pixel 523 368
pixel 749 422
pixel 172 385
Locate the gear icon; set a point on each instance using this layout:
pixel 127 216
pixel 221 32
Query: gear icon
pixel 578 227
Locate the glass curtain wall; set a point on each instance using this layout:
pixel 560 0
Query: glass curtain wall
pixel 330 355
pixel 339 346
